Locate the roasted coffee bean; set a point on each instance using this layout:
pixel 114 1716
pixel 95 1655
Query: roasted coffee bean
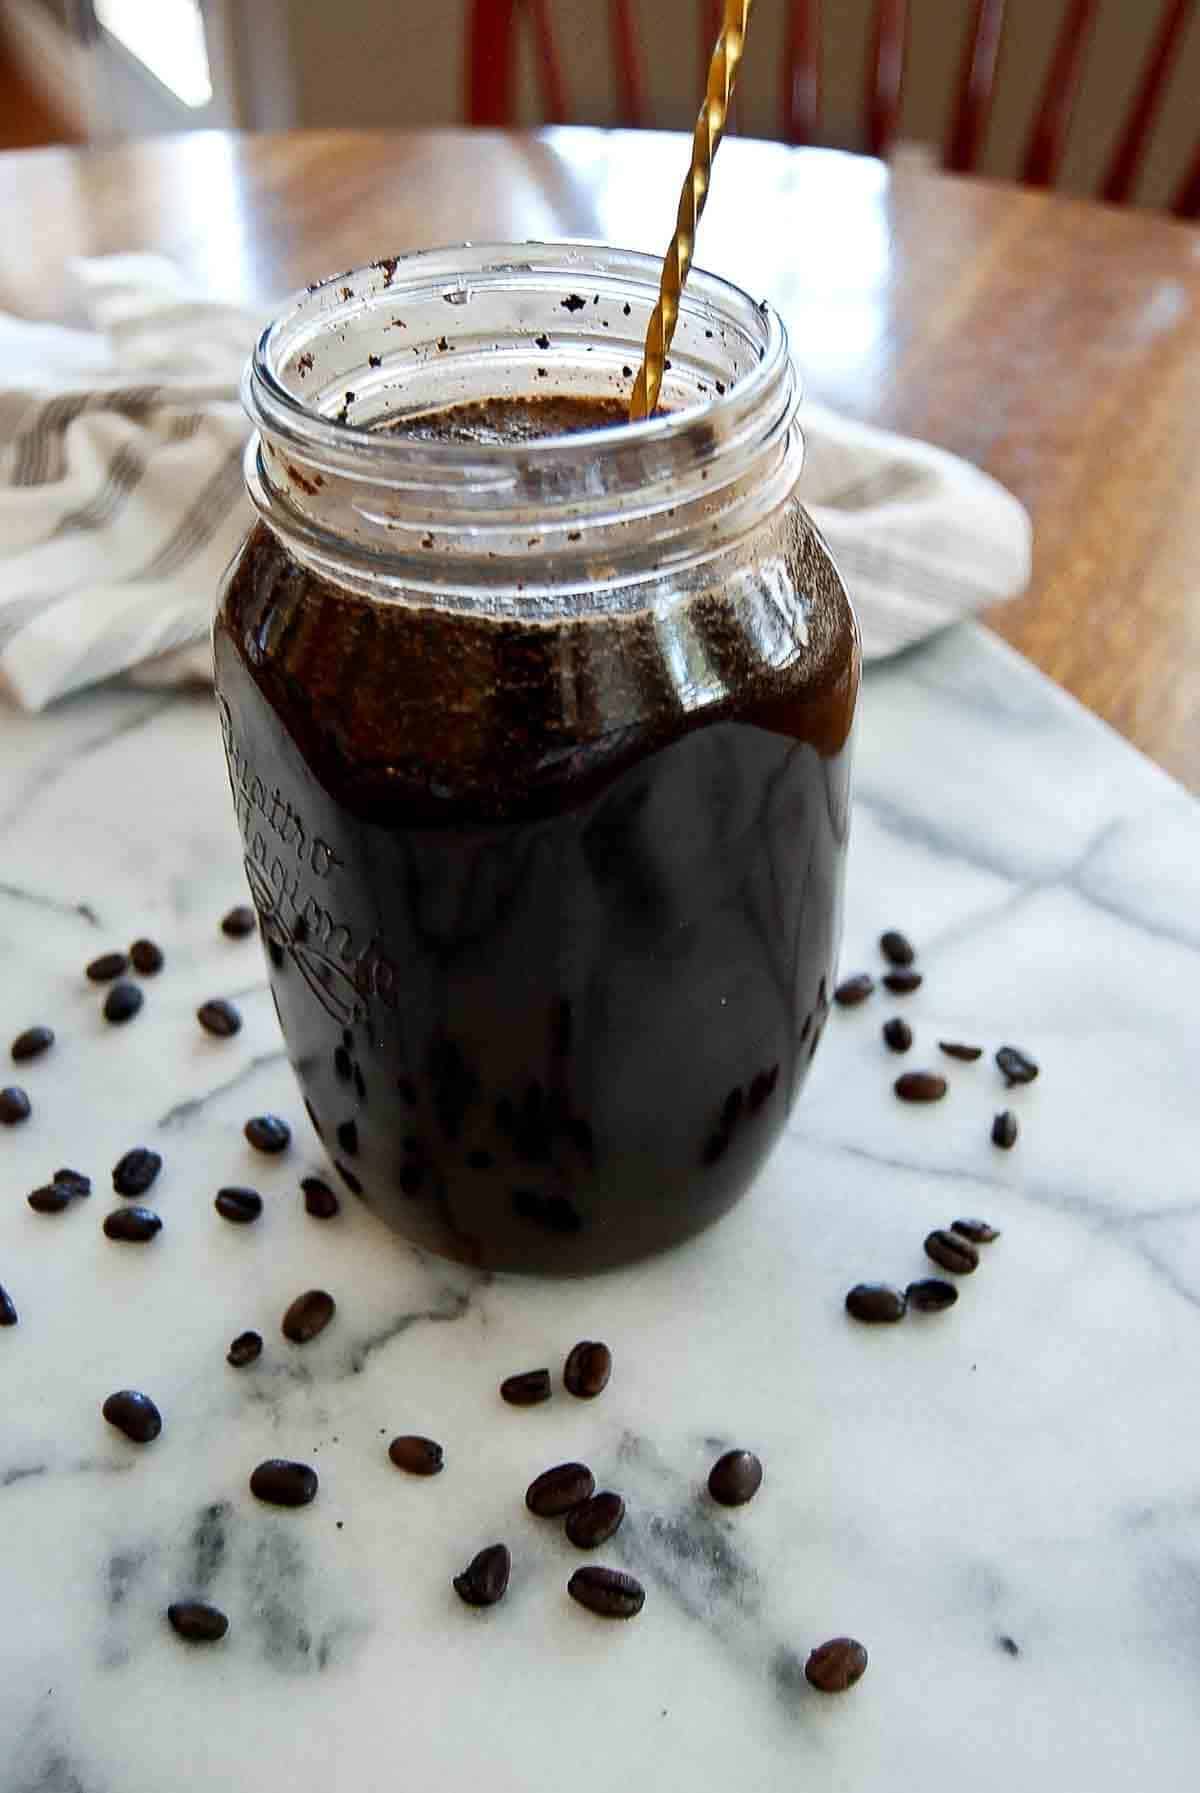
pixel 267 1133
pixel 319 1199
pixel 108 966
pixel 954 1049
pixel 240 921
pixel 51 1198
pixel 735 1478
pixel 122 1002
pixel 557 1490
pixel 74 1180
pixel 1016 1065
pixel 132 1225
pixel 527 1389
pixel 837 1665
pixel 853 990
pixel 14 1106
pixel 135 1171
pixel 133 1413
pixel 587 1369
pixel 219 1017
pixel 32 1043
pixel 897 1034
pixel 594 1521
pixel 875 1304
pixel 977 1231
pixel 485 1577
pixel 931 1296
pixel 902 983
pixel 241 1206
pixel 952 1252
pixel 896 949
pixel 1005 1130
pixel 246 1348
pixel 417 1456
pixel 284 1484
pixel 197 1621
pixel 308 1315
pixel 146 958
pixel 8 1313
pixel 920 1086
pixel 609 1592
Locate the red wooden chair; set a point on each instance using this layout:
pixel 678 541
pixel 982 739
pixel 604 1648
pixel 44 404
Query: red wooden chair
pixel 493 26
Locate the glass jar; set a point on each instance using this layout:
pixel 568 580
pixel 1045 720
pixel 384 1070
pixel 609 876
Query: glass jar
pixel 539 746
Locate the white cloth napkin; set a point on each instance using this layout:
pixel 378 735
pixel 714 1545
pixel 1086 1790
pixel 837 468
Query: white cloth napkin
pixel 121 498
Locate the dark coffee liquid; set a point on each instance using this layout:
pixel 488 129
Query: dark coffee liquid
pixel 551 907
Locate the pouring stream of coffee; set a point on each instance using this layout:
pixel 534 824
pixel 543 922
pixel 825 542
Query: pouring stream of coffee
pixel 710 128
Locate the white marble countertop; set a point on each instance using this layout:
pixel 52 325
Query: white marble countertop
pixel 1002 1502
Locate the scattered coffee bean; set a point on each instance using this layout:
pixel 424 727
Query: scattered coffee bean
pixel 835 1666
pixel 267 1133
pixel 485 1578
pixel 931 1296
pixel 122 1002
pixel 51 1198
pixel 875 1304
pixel 132 1225
pixel 594 1521
pixel 284 1484
pixel 8 1313
pixel 527 1389
pixel 146 958
pixel 587 1369
pixel 246 1348
pixel 897 1034
pixel 952 1252
pixel 1004 1130
pixel 197 1621
pixel 954 1049
pixel 902 983
pixel 219 1017
pixel 895 948
pixel 75 1181
pixel 308 1315
pixel 557 1490
pixel 853 990
pixel 108 966
pixel 977 1231
pixel 32 1043
pixel 240 921
pixel 735 1478
pixel 135 1171
pixel 319 1199
pixel 241 1206
pixel 1016 1065
pixel 920 1086
pixel 134 1414
pixel 14 1106
pixel 417 1456
pixel 609 1592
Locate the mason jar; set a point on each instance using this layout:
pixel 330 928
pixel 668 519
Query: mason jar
pixel 538 726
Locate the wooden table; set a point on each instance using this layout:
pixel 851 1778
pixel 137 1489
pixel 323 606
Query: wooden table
pixel 1054 342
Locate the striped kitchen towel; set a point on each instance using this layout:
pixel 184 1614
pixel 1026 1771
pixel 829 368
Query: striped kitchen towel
pixel 121 498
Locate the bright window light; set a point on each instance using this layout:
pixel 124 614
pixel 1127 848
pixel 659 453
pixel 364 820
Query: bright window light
pixel 168 37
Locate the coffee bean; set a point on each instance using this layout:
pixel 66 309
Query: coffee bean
pixel 246 1348
pixel 897 1034
pixel 875 1304
pixel 526 1389
pixel 931 1296
pixel 267 1133
pixel 32 1043
pixel 485 1578
pixel 952 1252
pixel 122 1002
pixel 920 1086
pixel 735 1478
pixel 219 1017
pixel 977 1231
pixel 609 1592
pixel 319 1199
pixel 241 1206
pixel 1004 1130
pixel 14 1106
pixel 1016 1065
pixel 557 1490
pixel 594 1521
pixel 8 1313
pixel 134 1414
pixel 51 1198
pixel 853 990
pixel 284 1484
pixel 146 958
pixel 837 1665
pixel 135 1171
pixel 197 1621
pixel 902 983
pixel 74 1180
pixel 132 1225
pixel 240 921
pixel 108 966
pixel 895 948
pixel 953 1049
pixel 587 1369
pixel 417 1456
pixel 308 1315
